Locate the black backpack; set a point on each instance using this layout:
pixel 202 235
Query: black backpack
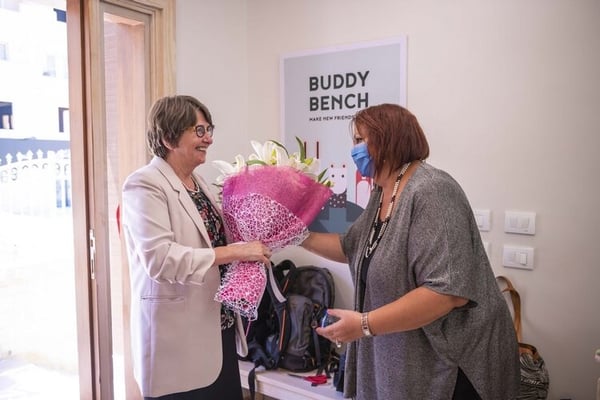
pixel 283 335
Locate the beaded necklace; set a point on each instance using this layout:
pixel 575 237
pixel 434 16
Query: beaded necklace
pixel 374 241
pixel 196 188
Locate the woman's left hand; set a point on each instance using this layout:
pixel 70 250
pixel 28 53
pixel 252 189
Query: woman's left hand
pixel 255 251
pixel 243 251
pixel 345 330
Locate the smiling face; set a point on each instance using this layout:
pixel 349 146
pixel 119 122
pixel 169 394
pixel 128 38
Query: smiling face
pixel 190 150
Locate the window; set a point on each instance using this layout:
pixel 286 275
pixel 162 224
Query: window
pixel 50 68
pixel 63 119
pixel 6 115
pixel 61 15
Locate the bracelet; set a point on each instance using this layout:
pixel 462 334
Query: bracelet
pixel 364 324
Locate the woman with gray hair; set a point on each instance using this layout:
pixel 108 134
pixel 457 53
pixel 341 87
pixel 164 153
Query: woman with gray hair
pixel 183 341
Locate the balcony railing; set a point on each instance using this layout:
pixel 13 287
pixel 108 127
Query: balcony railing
pixel 35 183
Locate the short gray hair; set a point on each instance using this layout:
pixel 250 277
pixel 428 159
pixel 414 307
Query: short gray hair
pixel 168 118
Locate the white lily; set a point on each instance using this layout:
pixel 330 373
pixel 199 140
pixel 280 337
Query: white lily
pixel 240 163
pixel 229 169
pixel 262 152
pixel 294 162
pixel 223 166
pixel 220 181
pixel 270 153
pixel 312 166
pixel 281 155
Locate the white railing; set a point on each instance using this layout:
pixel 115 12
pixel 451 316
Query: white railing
pixel 35 183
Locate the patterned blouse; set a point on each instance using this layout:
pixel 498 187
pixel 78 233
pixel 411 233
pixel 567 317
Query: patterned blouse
pixel 216 233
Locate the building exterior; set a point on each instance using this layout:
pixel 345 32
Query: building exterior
pixel 34 112
pixel 33 76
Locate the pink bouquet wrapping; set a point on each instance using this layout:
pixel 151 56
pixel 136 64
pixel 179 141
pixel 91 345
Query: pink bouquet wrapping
pixel 272 203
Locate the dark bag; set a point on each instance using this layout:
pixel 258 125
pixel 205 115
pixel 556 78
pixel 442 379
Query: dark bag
pixel 535 379
pixel 283 334
pixel 309 291
pixel 338 377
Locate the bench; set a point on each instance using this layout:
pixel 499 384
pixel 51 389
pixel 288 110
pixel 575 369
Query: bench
pixel 279 385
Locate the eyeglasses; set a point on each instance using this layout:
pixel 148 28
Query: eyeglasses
pixel 202 130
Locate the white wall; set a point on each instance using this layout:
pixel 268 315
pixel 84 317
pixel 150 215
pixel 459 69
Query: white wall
pixel 212 65
pixel 508 93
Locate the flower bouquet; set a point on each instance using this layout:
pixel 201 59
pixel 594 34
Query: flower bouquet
pixel 272 197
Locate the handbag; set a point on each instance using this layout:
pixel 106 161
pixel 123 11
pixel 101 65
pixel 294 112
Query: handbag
pixel 535 379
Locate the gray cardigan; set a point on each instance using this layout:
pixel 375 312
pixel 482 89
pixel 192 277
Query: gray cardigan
pixel 432 241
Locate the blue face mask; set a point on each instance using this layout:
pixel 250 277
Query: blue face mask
pixel 363 161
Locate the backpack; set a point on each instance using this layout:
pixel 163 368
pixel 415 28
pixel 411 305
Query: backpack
pixel 309 291
pixel 283 335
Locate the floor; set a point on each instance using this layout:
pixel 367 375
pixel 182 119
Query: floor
pixel 37 342
pixel 25 381
pixel 21 380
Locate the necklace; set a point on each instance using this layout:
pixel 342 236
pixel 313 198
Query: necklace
pixel 195 189
pixel 374 241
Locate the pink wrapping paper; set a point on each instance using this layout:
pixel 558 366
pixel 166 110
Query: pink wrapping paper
pixel 273 204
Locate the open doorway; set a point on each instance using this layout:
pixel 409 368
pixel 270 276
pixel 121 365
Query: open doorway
pixel 38 328
pixel 67 140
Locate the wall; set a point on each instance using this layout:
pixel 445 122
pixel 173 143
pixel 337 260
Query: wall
pixel 509 95
pixel 212 64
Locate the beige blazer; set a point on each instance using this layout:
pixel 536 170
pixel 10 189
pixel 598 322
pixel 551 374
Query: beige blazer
pixel 175 322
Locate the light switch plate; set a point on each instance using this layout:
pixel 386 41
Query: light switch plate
pixel 517 257
pixel 483 219
pixel 519 222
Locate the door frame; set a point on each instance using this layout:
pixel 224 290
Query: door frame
pixel 87 121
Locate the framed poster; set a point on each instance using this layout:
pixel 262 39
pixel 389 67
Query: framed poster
pixel 321 92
